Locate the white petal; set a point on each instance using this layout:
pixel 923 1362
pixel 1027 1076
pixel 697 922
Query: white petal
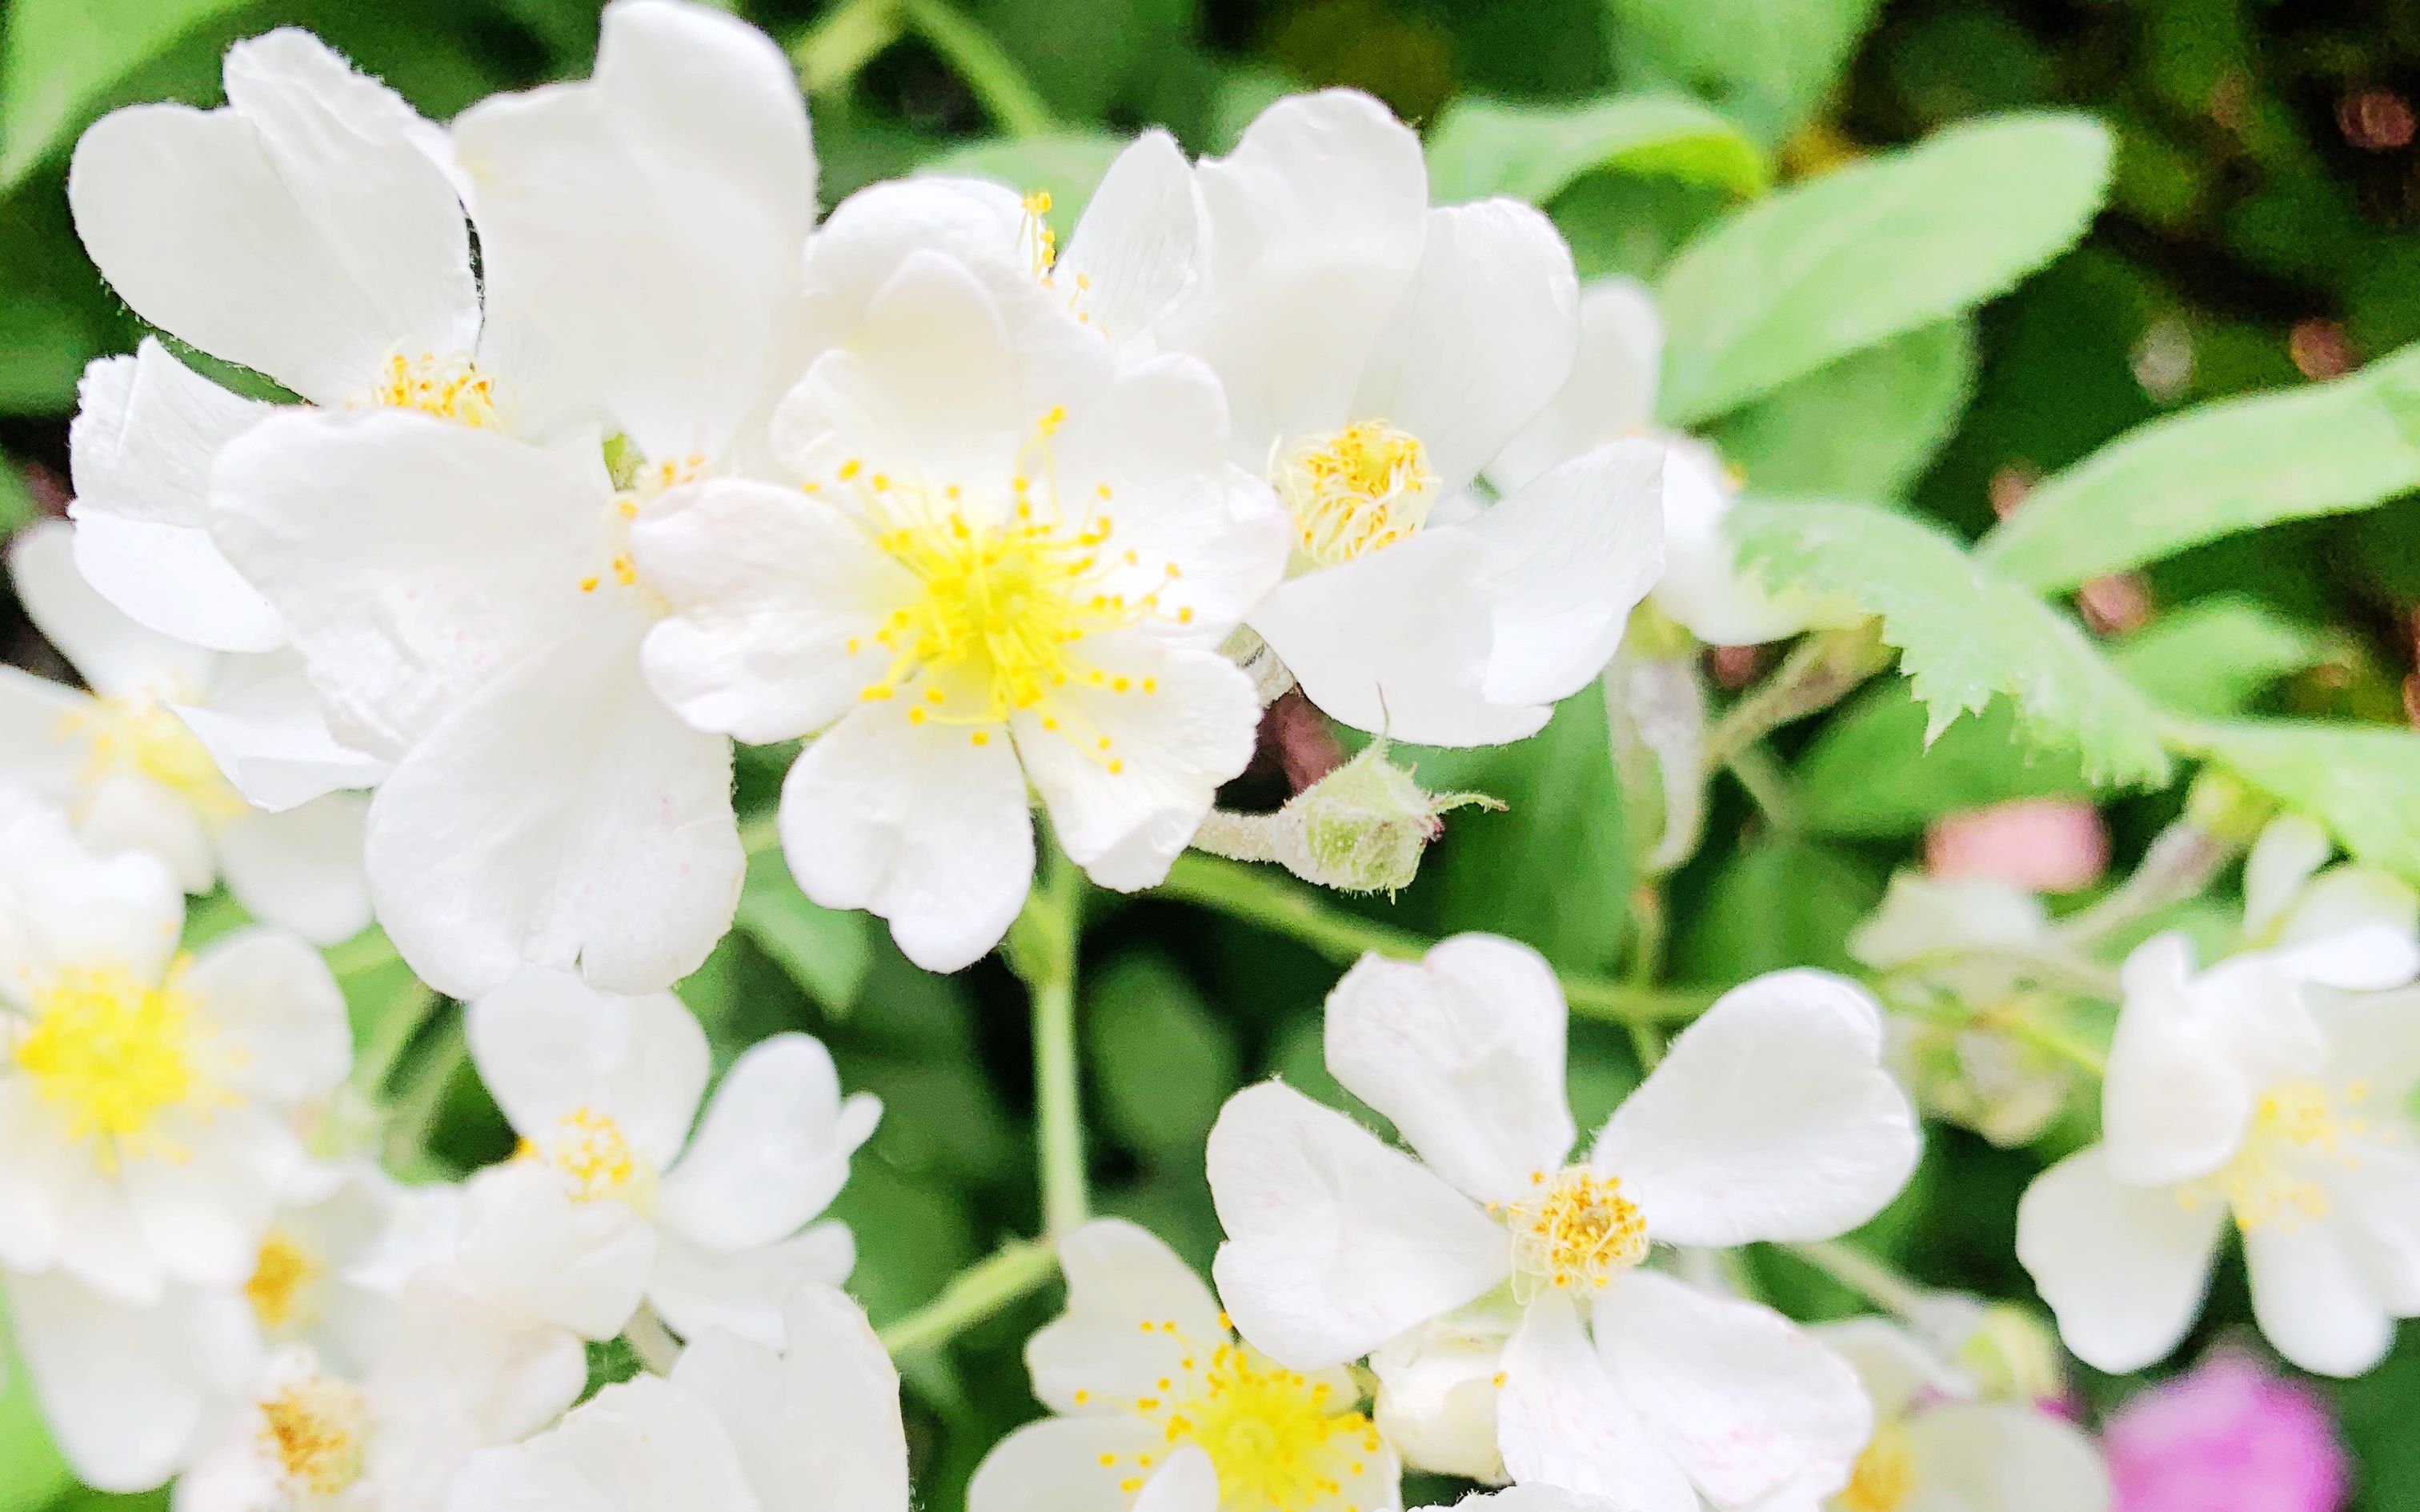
pixel 147 431
pixel 1483 339
pixel 2311 1298
pixel 1923 914
pixel 1066 1464
pixel 770 590
pixel 205 1206
pixel 773 1150
pixel 263 726
pixel 675 190
pixel 117 657
pixel 547 1044
pixel 1570 556
pixel 60 904
pixel 2175 1104
pixel 1564 1424
pixel 1998 1457
pixel 126 1392
pixel 415 560
pixel 1108 1347
pixel 2352 928
pixel 634 1447
pixel 2123 1267
pixel 1895 1366
pixel 38 1172
pixel 1611 390
pixel 1772 1119
pixel 1399 641
pixel 44 733
pixel 621 854
pixel 301 870
pixel 1314 227
pixel 1335 1243
pixel 1438 1388
pixel 1703 587
pixel 919 825
pixel 1138 755
pixel 2376 1206
pixel 302 231
pixel 1185 1481
pixel 1463 1050
pixel 135 811
pixel 1133 252
pixel 275 1012
pixel 700 1293
pixel 471 1370
pixel 819 1431
pixel 1741 1398
pixel 2291 848
pixel 531 1247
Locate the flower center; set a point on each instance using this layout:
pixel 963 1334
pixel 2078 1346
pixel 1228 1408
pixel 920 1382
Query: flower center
pixel 1002 609
pixel 636 481
pixel 283 1278
pixel 1280 1440
pixel 450 388
pixel 1576 1230
pixel 589 1148
pixel 1366 487
pixel 314 1428
pixel 2296 1127
pixel 113 1054
pixel 1884 1475
pixel 144 736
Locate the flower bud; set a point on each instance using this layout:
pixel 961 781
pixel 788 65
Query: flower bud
pixel 2014 1354
pixel 1362 828
pixel 1436 1399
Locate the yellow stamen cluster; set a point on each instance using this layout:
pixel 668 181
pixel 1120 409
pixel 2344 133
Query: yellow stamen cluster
pixel 313 1430
pixel 589 1148
pixel 283 1279
pixel 145 737
pixel 451 388
pixel 1004 606
pixel 1884 1475
pixel 1366 487
pixel 1035 238
pixel 1280 1440
pixel 645 481
pixel 2297 1130
pixel 1574 1230
pixel 113 1054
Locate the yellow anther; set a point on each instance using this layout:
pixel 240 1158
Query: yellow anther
pixel 1574 1230
pixel 1884 1475
pixel 283 1279
pixel 112 1056
pixel 450 388
pixel 589 1150
pixel 1365 487
pixel 313 1431
pixel 2297 1132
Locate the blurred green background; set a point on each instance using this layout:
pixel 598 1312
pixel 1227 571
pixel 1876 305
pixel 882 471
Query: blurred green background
pixel 2259 236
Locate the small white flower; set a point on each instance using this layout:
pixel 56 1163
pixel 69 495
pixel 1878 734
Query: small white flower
pixel 612 1201
pixel 144 1094
pixel 1187 1483
pixel 1144 1366
pixel 1771 1118
pixel 1611 393
pixel 1010 563
pixel 1937 1444
pixel 2271 1089
pixel 733 1428
pixel 137 761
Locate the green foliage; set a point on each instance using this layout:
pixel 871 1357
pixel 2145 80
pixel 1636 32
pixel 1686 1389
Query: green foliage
pixel 1768 63
pixel 2362 783
pixel 1860 255
pixel 825 951
pixel 2215 471
pixel 1067 164
pixel 1862 427
pixel 1965 636
pixel 1779 900
pixel 61 57
pixel 1486 147
pixel 1162 1059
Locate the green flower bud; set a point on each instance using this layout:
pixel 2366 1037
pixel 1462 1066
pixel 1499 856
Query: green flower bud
pixel 1362 828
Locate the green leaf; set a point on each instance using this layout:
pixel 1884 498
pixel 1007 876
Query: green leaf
pixel 62 57
pixel 826 951
pixel 16 500
pixel 2363 781
pixel 1769 63
pixel 1863 427
pixel 1779 902
pixel 1069 165
pixel 1965 636
pixel 31 1471
pixel 941 1116
pixel 2217 470
pixel 2216 654
pixel 1164 1063
pixel 1833 265
pixel 1534 152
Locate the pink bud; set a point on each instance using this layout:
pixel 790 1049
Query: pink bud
pixel 2039 844
pixel 2228 1436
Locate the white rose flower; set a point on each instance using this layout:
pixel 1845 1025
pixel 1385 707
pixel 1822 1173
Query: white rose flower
pixel 144 1094
pixel 1187 1483
pixel 136 761
pixel 736 1428
pixel 2272 1090
pixel 612 1201
pixel 1144 1366
pixel 448 546
pixel 1612 394
pixel 1011 562
pixel 1771 1118
pixel 1938 1446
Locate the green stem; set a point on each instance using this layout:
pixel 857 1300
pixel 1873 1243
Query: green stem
pixel 365 951
pixel 1283 906
pixel 1017 1271
pixel 972 53
pixel 391 1035
pixel 1768 786
pixel 1864 1275
pixel 836 48
pixel 1816 673
pixel 1042 950
pixel 415 1111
